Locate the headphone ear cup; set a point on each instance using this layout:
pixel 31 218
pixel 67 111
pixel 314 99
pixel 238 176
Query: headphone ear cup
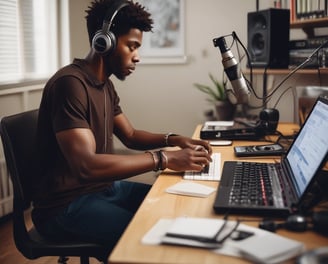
pixel 104 42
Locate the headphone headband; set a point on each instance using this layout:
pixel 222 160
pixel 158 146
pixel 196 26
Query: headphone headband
pixel 104 41
pixel 111 14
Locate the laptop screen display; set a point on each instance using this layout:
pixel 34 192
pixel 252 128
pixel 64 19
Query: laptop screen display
pixel 310 147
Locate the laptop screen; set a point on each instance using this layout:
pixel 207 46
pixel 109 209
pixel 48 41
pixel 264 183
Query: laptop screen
pixel 310 146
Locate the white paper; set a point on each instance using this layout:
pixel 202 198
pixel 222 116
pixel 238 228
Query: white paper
pixel 262 247
pixel 274 249
pixel 155 235
pixel 192 226
pixel 190 189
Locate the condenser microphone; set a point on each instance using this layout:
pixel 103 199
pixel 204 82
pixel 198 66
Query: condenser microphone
pixel 239 93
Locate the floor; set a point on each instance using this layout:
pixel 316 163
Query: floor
pixel 10 255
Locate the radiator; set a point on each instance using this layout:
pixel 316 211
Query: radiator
pixel 6 190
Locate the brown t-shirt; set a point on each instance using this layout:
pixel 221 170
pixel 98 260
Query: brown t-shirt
pixel 72 98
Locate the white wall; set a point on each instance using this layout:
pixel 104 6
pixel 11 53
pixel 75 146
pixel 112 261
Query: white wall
pixel 161 97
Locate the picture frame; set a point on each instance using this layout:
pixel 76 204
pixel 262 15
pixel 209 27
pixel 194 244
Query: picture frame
pixel 165 43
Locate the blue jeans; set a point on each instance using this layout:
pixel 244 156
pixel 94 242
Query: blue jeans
pixel 98 217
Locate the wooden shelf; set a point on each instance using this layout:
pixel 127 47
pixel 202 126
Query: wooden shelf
pixel 286 71
pixel 310 23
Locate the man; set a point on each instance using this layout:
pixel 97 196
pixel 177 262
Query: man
pixel 80 193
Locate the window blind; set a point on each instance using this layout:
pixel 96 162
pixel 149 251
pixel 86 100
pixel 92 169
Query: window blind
pixel 28 40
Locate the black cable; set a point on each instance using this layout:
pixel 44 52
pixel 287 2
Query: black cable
pixel 269 96
pixel 300 66
pixel 235 37
pixel 280 96
pixel 249 82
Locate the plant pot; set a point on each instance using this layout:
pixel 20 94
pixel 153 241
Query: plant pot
pixel 225 111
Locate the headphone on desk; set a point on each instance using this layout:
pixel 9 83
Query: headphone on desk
pixel 298 223
pixel 104 40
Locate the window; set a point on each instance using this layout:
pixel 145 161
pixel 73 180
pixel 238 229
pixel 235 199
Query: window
pixel 28 40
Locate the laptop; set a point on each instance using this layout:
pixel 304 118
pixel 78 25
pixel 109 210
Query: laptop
pixel 281 188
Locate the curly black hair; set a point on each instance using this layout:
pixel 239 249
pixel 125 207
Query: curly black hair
pixel 133 15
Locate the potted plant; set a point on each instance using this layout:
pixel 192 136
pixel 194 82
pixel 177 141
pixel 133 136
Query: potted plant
pixel 217 96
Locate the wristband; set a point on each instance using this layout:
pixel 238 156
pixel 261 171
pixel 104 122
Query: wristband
pixel 155 159
pixel 164 160
pixel 166 137
pixel 160 160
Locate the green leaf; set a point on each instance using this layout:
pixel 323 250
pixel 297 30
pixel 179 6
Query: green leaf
pixel 216 93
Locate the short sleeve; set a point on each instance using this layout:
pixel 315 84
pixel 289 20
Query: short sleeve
pixel 70 103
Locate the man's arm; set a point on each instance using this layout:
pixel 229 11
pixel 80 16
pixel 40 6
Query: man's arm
pixel 136 139
pixel 143 140
pixel 79 148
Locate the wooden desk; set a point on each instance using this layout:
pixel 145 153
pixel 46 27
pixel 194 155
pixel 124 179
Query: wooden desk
pixel 159 204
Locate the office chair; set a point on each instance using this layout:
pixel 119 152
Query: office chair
pixel 18 134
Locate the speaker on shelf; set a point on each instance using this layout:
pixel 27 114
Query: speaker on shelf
pixel 268 38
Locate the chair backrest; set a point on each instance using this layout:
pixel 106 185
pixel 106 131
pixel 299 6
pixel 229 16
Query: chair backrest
pixel 18 134
pixel 19 138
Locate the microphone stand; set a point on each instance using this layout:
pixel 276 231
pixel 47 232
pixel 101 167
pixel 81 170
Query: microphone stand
pixel 300 66
pixel 266 97
pixel 265 90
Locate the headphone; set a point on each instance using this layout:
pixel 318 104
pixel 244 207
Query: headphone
pixel 299 223
pixel 104 41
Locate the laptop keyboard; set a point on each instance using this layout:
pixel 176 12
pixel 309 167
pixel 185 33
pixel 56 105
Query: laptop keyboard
pixel 212 172
pixel 252 185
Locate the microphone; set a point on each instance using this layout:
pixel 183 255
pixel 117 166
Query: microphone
pixel 239 93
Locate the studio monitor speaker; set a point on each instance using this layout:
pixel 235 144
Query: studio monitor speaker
pixel 268 38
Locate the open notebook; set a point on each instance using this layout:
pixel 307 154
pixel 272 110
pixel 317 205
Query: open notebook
pixel 281 187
